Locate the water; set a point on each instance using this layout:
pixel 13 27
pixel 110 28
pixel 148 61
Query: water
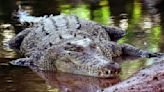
pixel 145 31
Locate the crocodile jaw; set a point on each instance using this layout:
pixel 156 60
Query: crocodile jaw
pixel 103 71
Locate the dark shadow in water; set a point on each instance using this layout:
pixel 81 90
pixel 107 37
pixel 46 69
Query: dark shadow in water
pixel 161 12
pixel 6 8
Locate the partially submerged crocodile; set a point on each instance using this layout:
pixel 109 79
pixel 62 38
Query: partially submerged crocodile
pixel 70 44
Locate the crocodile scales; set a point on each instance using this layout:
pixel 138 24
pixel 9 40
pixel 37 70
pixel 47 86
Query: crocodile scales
pixel 69 44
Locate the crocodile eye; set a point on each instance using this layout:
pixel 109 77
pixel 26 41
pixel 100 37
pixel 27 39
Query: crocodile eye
pixel 93 46
pixel 74 48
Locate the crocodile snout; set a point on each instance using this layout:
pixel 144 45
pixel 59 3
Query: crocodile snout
pixel 110 70
pixel 114 67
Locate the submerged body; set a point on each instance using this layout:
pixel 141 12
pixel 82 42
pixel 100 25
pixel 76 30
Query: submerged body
pixel 72 45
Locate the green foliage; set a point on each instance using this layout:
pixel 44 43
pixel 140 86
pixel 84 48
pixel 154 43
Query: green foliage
pixel 81 11
pixel 100 15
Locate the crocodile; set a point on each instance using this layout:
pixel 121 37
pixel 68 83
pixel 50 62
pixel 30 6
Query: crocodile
pixel 69 44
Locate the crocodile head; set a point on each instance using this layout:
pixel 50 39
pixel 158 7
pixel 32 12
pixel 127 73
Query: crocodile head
pixel 84 57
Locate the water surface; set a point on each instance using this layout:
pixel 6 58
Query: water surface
pixel 144 30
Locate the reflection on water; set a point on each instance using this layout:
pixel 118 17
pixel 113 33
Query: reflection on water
pixel 19 79
pixel 144 31
pixel 6 33
pixel 63 82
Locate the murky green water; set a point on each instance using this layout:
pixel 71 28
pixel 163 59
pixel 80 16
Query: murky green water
pixel 144 31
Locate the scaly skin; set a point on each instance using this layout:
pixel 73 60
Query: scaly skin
pixel 72 45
